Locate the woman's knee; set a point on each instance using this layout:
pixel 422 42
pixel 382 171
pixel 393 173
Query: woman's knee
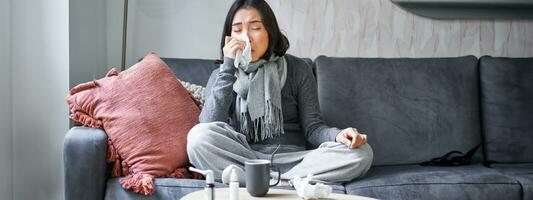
pixel 200 135
pixel 366 160
pixel 367 154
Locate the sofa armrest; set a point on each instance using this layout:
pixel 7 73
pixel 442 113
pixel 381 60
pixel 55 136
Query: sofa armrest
pixel 85 165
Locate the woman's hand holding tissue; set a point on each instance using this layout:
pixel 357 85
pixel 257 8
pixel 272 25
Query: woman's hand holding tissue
pixel 231 46
pixel 351 138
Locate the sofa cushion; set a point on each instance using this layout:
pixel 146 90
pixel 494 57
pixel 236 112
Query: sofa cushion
pixel 413 109
pixel 523 173
pixel 417 182
pixel 507 103
pixel 148 141
pixel 171 188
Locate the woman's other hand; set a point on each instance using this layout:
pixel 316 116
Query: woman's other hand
pixel 351 138
pixel 232 45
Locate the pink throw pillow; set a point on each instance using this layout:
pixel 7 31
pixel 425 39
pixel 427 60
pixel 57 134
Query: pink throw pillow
pixel 146 113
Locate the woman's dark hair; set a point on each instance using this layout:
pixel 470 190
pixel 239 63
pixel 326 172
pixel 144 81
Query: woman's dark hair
pixel 277 42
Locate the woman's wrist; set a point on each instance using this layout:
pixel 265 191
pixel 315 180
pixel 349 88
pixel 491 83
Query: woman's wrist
pixel 228 59
pixel 228 65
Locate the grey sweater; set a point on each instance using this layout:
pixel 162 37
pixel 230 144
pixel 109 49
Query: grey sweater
pixel 299 99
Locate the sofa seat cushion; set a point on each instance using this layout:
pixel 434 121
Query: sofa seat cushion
pixel 166 188
pixel 413 109
pixel 172 188
pixel 523 173
pixel 417 182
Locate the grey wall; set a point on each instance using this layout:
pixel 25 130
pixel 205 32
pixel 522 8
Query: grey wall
pixel 40 68
pixel 88 39
pixel 6 148
pixel 171 28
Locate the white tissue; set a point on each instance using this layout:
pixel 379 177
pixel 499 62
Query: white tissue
pixel 308 191
pixel 245 57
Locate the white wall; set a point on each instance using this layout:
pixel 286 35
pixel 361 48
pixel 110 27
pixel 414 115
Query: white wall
pixel 40 64
pixel 6 149
pixel 171 28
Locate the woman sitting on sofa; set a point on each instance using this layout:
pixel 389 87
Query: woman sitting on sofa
pixel 252 108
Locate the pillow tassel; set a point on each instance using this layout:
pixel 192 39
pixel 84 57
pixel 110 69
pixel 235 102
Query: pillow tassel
pixel 83 86
pixel 86 119
pixel 112 157
pixel 125 168
pixel 112 72
pixel 183 172
pixel 140 183
pixel 196 175
pixel 179 172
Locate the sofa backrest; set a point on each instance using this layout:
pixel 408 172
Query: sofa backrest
pixel 413 109
pixel 196 71
pixel 507 108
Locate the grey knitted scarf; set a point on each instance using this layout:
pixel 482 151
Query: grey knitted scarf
pixel 258 104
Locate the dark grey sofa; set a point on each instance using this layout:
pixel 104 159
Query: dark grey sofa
pixel 413 109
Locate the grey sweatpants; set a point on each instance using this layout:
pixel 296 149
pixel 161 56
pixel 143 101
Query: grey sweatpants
pixel 217 145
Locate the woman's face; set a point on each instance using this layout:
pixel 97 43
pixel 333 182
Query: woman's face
pixel 249 20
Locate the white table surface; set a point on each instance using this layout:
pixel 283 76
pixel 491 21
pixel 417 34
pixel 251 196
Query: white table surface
pixel 223 194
